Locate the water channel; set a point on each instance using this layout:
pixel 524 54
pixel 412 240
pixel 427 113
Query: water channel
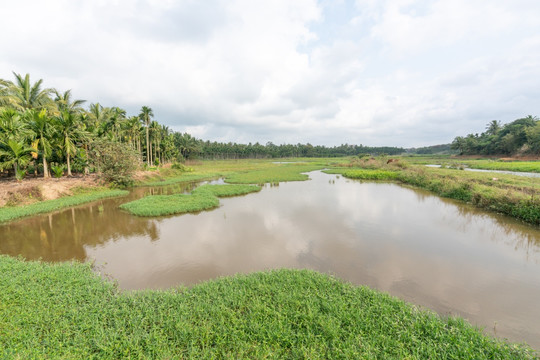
pixel 433 252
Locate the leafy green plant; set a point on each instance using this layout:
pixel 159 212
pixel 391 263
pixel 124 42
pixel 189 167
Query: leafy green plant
pixel 116 162
pixel 58 170
pixel 20 174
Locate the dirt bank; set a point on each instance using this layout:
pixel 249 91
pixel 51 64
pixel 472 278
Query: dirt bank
pixel 29 190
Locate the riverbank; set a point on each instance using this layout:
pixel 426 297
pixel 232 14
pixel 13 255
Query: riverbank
pixel 275 314
pixel 507 194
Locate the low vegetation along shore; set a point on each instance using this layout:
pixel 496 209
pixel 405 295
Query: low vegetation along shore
pixel 8 213
pixel 271 315
pixel 511 195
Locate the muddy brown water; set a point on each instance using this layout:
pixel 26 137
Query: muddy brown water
pixel 436 253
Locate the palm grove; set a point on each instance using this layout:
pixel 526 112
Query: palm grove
pixel 45 131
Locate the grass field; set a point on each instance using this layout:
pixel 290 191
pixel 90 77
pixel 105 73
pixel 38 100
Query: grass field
pixel 12 213
pixel 61 311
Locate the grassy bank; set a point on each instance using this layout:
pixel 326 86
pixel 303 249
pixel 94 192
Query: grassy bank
pixel 203 198
pixel 226 190
pixel 274 174
pixel 507 194
pixel 484 164
pixel 66 311
pixel 12 213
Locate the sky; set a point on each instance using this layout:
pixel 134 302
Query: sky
pixel 373 72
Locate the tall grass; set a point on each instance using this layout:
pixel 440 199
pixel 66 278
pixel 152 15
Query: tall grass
pixel 12 213
pixel 65 311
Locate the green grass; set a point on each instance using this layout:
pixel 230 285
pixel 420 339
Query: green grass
pixel 202 198
pixel 159 205
pixel 179 178
pixel 484 164
pixel 520 166
pixel 226 190
pixel 12 213
pixel 60 311
pixel 368 174
pixel 274 174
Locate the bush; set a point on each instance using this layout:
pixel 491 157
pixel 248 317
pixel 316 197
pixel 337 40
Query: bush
pixel 57 170
pixel 19 174
pixel 115 162
pixel 181 167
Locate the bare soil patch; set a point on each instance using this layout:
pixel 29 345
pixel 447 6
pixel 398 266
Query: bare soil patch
pixel 30 190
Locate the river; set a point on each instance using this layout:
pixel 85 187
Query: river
pixel 437 253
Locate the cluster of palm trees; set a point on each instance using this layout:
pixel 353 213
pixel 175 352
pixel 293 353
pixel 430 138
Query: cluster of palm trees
pixel 40 126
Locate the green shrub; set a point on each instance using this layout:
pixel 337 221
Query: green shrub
pixel 116 162
pixel 58 170
pixel 20 174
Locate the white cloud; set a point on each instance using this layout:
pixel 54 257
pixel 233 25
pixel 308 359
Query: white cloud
pixel 393 72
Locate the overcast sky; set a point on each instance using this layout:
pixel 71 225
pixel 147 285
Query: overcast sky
pixel 373 72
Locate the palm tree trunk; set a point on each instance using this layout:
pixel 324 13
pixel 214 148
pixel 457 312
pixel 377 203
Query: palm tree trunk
pixel 150 152
pixel 147 146
pixel 45 168
pixel 68 165
pixel 86 169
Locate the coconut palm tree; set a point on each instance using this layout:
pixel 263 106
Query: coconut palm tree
pixel 22 94
pixel 69 129
pixel 146 115
pixel 64 102
pixel 42 126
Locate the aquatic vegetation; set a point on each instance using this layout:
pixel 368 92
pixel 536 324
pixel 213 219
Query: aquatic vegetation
pixel 11 213
pixel 182 177
pixel 276 314
pixel 226 190
pixel 203 198
pixel 159 205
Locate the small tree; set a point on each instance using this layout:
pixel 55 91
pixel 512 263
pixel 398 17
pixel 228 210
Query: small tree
pixel 115 162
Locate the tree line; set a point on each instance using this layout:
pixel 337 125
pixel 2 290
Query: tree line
pixel 196 148
pixel 47 132
pixel 519 137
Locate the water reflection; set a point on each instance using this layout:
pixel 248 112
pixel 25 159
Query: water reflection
pixel 434 252
pixel 66 235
